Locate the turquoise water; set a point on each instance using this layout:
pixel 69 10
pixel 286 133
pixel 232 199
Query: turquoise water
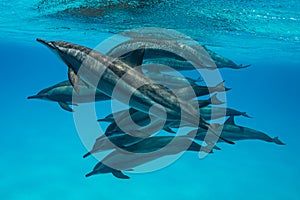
pixel 42 153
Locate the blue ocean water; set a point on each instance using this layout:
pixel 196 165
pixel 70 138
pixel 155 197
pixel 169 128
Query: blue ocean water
pixel 42 153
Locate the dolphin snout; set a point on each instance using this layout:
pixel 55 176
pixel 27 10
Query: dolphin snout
pixel 33 97
pixel 48 44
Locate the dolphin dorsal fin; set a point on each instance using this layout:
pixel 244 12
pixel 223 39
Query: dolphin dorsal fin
pixel 230 120
pixel 134 58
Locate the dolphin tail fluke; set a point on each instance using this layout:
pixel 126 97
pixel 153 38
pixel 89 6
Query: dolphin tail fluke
pixel 87 154
pixel 119 174
pixel 34 97
pixel 277 141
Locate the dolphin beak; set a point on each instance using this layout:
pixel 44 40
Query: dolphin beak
pixel 48 44
pixel 33 97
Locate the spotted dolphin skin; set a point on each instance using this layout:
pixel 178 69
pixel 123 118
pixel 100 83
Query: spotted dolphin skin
pixel 94 65
pixel 63 92
pixel 233 132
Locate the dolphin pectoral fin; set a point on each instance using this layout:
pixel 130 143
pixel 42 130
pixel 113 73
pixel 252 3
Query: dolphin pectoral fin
pixel 65 106
pixel 134 58
pixel 227 141
pixel 119 174
pixel 74 79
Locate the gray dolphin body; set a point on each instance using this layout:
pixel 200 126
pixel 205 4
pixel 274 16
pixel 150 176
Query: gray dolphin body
pixel 163 52
pixel 160 48
pixel 63 94
pixel 206 112
pixel 153 146
pixel 223 62
pixel 233 132
pixel 94 65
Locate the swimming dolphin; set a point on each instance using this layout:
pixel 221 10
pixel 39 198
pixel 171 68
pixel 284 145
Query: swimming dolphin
pixel 184 65
pixel 162 51
pixel 233 132
pixel 223 62
pixel 62 93
pixel 95 64
pixel 206 112
pixel 121 160
pixel 101 168
pixel 166 48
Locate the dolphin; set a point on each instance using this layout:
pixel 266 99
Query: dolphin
pixel 101 168
pixel 223 62
pixel 162 51
pixel 233 132
pixel 156 47
pixel 63 94
pixel 206 112
pixel 183 65
pixel 121 160
pixel 95 64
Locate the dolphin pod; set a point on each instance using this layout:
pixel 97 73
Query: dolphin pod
pixel 94 76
